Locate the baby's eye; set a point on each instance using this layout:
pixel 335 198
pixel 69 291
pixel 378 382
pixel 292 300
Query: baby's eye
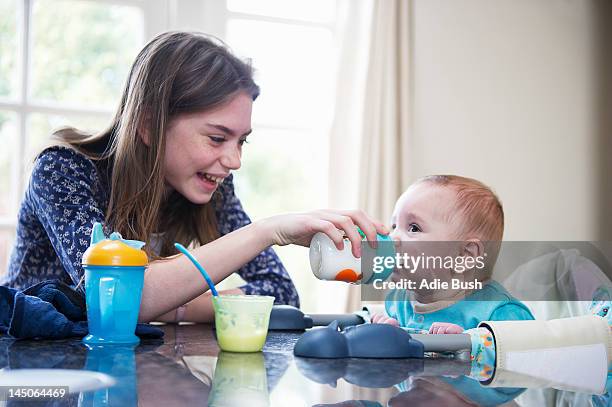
pixel 393 226
pixel 414 228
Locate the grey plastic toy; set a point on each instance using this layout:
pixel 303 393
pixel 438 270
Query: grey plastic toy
pixel 376 341
pixel 288 318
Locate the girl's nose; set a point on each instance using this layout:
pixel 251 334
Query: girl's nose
pixel 231 158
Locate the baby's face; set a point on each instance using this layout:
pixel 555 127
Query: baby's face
pixel 423 225
pixel 424 213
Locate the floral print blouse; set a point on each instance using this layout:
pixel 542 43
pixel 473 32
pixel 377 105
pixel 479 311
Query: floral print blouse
pixel 67 193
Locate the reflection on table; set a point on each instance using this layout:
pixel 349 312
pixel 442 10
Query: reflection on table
pixel 187 368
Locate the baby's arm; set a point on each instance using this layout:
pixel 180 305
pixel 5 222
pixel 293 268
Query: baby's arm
pixel 383 319
pixel 505 312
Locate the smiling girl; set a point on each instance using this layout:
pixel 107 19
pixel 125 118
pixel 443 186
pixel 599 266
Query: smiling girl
pixel 161 173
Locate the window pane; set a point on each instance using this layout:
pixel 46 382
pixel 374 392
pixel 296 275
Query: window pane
pixel 8 48
pixel 285 171
pixel 294 66
pixel 6 244
pixel 307 10
pixel 282 171
pixel 82 50
pixel 8 163
pixel 40 127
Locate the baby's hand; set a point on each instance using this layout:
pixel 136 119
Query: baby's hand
pixel 383 319
pixel 445 328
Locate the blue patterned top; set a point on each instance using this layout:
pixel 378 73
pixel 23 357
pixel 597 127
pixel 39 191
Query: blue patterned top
pixel 67 193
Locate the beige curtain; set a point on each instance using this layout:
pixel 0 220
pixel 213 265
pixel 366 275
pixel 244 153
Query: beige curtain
pixel 383 173
pixel 384 169
pixel 352 41
pixel 384 153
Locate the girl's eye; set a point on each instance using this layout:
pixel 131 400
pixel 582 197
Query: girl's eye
pixel 216 139
pixel 414 228
pixel 244 141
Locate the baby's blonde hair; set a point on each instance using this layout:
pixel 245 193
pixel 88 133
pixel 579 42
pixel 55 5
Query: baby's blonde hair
pixel 481 212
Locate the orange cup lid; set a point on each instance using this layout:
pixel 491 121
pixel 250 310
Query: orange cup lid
pixel 114 253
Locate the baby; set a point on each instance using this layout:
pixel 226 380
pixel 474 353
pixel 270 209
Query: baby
pixel 466 221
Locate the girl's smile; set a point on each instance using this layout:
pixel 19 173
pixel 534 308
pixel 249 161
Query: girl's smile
pixel 210 182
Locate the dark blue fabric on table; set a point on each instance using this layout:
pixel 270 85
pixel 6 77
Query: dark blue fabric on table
pixel 50 310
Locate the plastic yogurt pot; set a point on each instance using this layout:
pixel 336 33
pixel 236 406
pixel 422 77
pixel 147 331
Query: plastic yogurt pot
pixel 241 321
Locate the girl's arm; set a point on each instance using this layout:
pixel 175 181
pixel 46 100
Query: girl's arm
pixel 265 274
pixel 66 195
pixel 199 309
pixel 173 282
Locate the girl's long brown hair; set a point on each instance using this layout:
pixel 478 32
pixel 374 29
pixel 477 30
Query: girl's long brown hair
pixel 175 73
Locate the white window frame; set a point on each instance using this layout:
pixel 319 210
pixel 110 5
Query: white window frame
pixel 210 16
pixel 155 20
pixel 332 26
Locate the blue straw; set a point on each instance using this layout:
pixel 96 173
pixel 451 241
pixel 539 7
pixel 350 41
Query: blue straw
pixel 182 249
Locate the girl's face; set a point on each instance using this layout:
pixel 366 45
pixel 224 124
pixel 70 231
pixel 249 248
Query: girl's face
pixel 202 148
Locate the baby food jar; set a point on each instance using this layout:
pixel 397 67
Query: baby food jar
pixel 241 321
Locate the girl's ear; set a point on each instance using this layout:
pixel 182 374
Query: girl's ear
pixel 144 131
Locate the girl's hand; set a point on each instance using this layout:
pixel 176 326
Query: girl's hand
pixel 300 228
pixel 383 319
pixel 445 328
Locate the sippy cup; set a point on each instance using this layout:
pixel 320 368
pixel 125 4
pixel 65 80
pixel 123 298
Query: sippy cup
pixel 329 263
pixel 114 276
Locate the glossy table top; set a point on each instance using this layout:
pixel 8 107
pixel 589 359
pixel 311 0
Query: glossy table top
pixel 186 367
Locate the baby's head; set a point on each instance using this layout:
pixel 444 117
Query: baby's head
pixel 450 208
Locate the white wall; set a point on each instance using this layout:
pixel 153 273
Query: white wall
pixel 510 92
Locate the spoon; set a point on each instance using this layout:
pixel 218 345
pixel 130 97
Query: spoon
pixel 183 250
